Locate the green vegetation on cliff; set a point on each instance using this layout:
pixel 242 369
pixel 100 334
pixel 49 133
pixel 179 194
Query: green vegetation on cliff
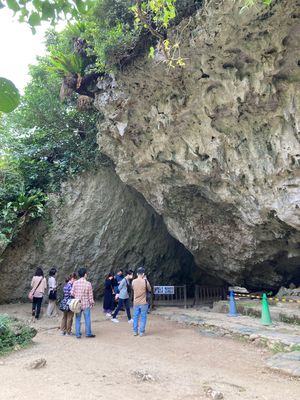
pixel 114 31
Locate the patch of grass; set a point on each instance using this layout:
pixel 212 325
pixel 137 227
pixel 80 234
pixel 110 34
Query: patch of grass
pixel 14 334
pixel 278 347
pixel 290 319
pixel 295 347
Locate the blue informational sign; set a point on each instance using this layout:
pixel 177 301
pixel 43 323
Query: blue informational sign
pixel 164 290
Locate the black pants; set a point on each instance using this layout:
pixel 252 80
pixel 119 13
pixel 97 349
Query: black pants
pixel 36 306
pixel 120 305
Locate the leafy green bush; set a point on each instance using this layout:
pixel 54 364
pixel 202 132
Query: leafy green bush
pixel 14 334
pixel 50 139
pixel 111 33
pixel 116 32
pixel 14 214
pixel 67 64
pixel 11 179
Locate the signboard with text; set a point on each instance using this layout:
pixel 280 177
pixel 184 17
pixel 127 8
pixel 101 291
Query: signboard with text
pixel 164 290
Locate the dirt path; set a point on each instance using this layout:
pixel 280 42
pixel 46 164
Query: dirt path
pixel 182 362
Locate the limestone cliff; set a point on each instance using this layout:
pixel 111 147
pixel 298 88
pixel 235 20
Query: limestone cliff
pixel 98 222
pixel 214 147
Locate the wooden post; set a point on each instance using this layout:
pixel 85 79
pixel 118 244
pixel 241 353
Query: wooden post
pixel 196 295
pixel 185 296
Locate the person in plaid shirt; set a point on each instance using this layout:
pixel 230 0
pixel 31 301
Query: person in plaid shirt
pixel 82 290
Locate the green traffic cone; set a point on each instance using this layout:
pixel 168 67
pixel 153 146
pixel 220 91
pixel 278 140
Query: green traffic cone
pixel 265 313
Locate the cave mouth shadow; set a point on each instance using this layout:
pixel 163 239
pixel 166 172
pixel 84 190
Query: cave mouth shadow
pixel 283 270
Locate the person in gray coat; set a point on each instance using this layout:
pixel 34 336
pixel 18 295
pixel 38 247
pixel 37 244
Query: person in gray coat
pixel 123 296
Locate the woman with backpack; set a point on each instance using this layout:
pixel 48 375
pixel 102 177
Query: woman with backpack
pixel 67 319
pixel 38 285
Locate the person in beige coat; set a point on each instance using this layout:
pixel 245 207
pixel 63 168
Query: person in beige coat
pixel 38 285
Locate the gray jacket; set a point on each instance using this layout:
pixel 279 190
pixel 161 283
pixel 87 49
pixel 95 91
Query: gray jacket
pixel 123 292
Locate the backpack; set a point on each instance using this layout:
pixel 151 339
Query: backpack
pixel 148 294
pixel 129 288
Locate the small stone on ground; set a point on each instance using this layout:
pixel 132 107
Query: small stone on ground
pixel 39 363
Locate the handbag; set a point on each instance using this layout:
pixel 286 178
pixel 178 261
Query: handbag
pixel 64 305
pixel 52 294
pixel 32 291
pixel 148 294
pixel 75 306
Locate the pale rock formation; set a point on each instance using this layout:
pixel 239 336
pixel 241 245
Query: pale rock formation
pixel 214 147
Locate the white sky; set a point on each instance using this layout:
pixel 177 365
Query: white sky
pixel 19 48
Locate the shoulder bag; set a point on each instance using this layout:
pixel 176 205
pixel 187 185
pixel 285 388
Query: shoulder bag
pixel 32 291
pixel 148 294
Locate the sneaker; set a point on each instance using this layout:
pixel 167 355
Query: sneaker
pixel 62 333
pixel 142 334
pixel 115 320
pixel 135 333
pixel 78 337
pixel 108 314
pixel 91 336
pixel 130 321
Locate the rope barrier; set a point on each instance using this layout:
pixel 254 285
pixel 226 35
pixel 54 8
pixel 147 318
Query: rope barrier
pixel 276 299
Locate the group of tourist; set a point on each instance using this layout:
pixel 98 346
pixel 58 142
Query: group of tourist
pixel 117 293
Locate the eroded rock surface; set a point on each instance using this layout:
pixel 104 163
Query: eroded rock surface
pixel 214 147
pixel 98 222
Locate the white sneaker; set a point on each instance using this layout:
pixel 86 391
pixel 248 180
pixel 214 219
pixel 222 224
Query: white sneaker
pixel 115 320
pixel 108 314
pixel 130 321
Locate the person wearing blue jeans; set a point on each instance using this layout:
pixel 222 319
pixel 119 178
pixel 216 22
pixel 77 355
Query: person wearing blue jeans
pixel 140 287
pixel 139 311
pixel 82 290
pixel 123 296
pixel 87 319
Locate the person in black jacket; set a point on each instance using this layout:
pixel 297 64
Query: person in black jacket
pixel 109 301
